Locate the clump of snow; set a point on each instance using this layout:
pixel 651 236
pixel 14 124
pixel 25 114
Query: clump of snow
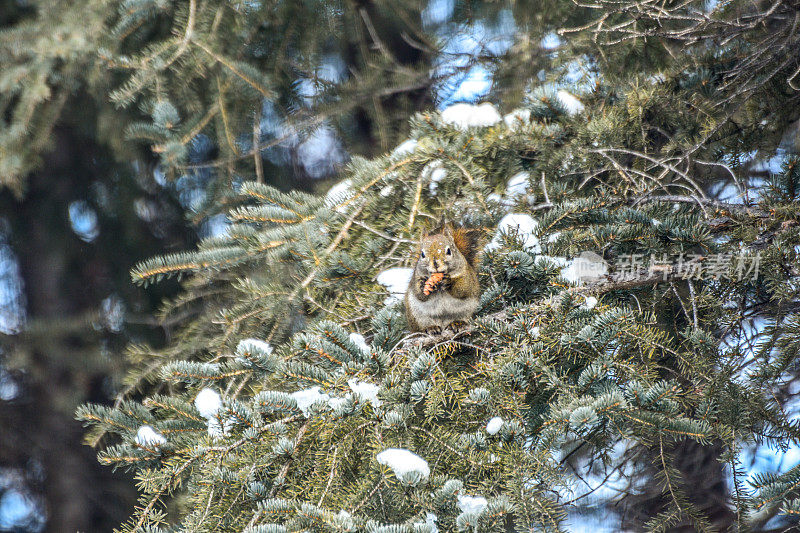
pixel 560 261
pixel 307 397
pixel 472 504
pixel 403 462
pixel 254 346
pixel 536 331
pixel 517 118
pixel 435 172
pixel 518 185
pixel 553 237
pixel 217 430
pixel 396 280
pixel 494 425
pixel 345 521
pixel 590 302
pixel 551 41
pixel 430 521
pixel 147 436
pixel 494 197
pixel 335 402
pixel 405 148
pixel 208 402
pixel 339 193
pixel 465 116
pixel 571 273
pixel 358 340
pixel 369 391
pixel 570 103
pixel 587 267
pixel 523 225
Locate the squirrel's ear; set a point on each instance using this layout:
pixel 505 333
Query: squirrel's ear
pixel 441 228
pixel 445 227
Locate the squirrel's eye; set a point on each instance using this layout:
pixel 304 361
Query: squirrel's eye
pixel 422 254
pixel 448 252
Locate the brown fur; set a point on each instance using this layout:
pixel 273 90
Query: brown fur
pixel 456 296
pixel 468 242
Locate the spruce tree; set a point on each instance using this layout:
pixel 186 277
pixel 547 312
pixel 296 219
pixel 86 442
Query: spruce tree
pixel 67 147
pixel 638 325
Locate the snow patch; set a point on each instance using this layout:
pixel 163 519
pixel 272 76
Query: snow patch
pixel 214 429
pixel 570 103
pixel 551 41
pixel 396 281
pixel 524 225
pixel 405 148
pixel 494 197
pixel 587 267
pixel 338 194
pixel 518 185
pixel 254 346
pixel 368 391
pixel 147 436
pixel 217 430
pixel 307 397
pixel 335 402
pixel 472 504
pixel 553 237
pixel 358 340
pixel 591 301
pixel 402 462
pixel 430 521
pixel 517 119
pixel 465 116
pixel 494 425
pixel 435 172
pixel 208 402
pixel 560 261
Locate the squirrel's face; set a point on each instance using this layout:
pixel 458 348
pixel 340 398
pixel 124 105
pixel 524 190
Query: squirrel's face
pixel 439 254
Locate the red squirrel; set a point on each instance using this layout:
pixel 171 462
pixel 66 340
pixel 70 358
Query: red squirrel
pixel 444 290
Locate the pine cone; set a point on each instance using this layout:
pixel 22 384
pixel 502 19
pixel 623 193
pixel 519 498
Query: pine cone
pixel 433 283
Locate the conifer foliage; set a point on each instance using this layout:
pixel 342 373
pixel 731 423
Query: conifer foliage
pixel 295 400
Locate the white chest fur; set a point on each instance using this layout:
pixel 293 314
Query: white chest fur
pixel 441 309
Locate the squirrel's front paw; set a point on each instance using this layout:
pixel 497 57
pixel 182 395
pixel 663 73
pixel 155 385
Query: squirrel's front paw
pixel 433 330
pixel 456 326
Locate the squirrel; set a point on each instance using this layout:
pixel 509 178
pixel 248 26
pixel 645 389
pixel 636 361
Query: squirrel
pixel 444 289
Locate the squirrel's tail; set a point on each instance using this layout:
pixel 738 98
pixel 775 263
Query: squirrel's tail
pixel 469 243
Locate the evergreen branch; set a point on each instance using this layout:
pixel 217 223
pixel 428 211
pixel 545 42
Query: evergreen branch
pixel 238 70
